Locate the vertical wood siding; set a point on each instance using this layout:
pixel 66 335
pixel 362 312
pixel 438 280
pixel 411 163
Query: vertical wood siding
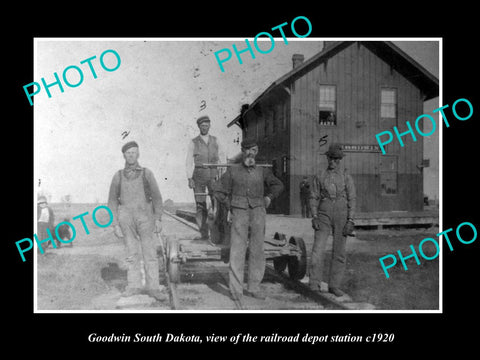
pixel 358 75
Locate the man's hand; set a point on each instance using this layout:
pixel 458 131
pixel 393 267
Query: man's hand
pixel 191 183
pixel 268 201
pixel 348 228
pixel 118 231
pixel 316 223
pixel 158 226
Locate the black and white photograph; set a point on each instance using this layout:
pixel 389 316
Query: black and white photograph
pixel 217 180
pixel 187 180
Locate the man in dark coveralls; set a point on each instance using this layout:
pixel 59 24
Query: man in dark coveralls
pixel 332 205
pixel 136 204
pixel 247 190
pixel 203 149
pixel 305 197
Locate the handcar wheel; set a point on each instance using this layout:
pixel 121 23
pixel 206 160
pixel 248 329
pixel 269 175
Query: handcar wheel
pixel 297 266
pixel 173 266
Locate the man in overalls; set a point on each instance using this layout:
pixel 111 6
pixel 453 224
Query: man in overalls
pixel 203 149
pixel 136 204
pixel 332 204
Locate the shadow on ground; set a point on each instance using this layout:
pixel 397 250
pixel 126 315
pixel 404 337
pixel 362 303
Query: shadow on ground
pixel 114 276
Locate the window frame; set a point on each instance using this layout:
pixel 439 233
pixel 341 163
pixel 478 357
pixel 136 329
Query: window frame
pixel 319 107
pixel 395 104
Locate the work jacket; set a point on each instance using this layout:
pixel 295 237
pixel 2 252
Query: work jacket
pixel 243 187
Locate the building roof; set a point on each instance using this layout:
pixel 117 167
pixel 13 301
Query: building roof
pixel 386 50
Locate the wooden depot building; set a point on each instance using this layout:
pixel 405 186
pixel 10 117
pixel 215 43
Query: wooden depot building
pixel 347 93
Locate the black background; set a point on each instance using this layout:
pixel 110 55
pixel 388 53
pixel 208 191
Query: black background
pixel 47 333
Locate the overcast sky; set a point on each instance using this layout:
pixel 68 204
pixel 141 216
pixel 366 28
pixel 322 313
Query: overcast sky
pixel 155 95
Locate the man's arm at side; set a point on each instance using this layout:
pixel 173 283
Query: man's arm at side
pixel 156 195
pixel 113 197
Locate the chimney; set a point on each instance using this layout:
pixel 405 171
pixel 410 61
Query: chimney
pixel 297 60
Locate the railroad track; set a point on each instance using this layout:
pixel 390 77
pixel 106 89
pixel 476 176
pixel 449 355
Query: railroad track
pixel 172 287
pixel 297 294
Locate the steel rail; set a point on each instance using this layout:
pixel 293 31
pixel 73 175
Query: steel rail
pixel 282 278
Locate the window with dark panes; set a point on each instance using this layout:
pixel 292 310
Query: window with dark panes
pixel 245 127
pixel 253 128
pixel 327 105
pixel 274 118
pixel 260 127
pixel 266 119
pixel 388 103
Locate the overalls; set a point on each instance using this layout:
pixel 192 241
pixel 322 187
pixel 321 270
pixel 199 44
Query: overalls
pixel 135 217
pixel 334 190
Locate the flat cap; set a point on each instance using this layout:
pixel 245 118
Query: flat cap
pixel 248 143
pixel 203 119
pixel 129 145
pixel 335 151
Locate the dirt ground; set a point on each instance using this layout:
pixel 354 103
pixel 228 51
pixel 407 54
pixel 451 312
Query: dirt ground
pixel 365 281
pixel 91 274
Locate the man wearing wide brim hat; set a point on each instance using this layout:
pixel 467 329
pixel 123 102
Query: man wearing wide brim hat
pixel 335 151
pixel 203 149
pixel 247 190
pixel 332 204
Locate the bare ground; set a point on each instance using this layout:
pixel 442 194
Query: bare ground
pixel 90 275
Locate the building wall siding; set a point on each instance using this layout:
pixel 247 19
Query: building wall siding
pixel 358 75
pixel 273 146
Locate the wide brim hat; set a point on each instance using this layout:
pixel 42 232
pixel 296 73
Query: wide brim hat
pixel 335 151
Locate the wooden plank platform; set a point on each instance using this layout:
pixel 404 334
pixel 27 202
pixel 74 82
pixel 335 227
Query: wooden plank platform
pixel 393 218
pixel 377 219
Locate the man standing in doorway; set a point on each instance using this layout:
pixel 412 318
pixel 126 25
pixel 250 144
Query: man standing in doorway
pixel 305 197
pixel 136 204
pixel 203 149
pixel 247 190
pixel 332 203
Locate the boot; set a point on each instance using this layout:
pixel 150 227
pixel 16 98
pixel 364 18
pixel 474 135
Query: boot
pixel 336 291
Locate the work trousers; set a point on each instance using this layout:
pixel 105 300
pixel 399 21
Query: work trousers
pixel 243 220
pixel 202 184
pixel 305 204
pixel 138 225
pixel 333 216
